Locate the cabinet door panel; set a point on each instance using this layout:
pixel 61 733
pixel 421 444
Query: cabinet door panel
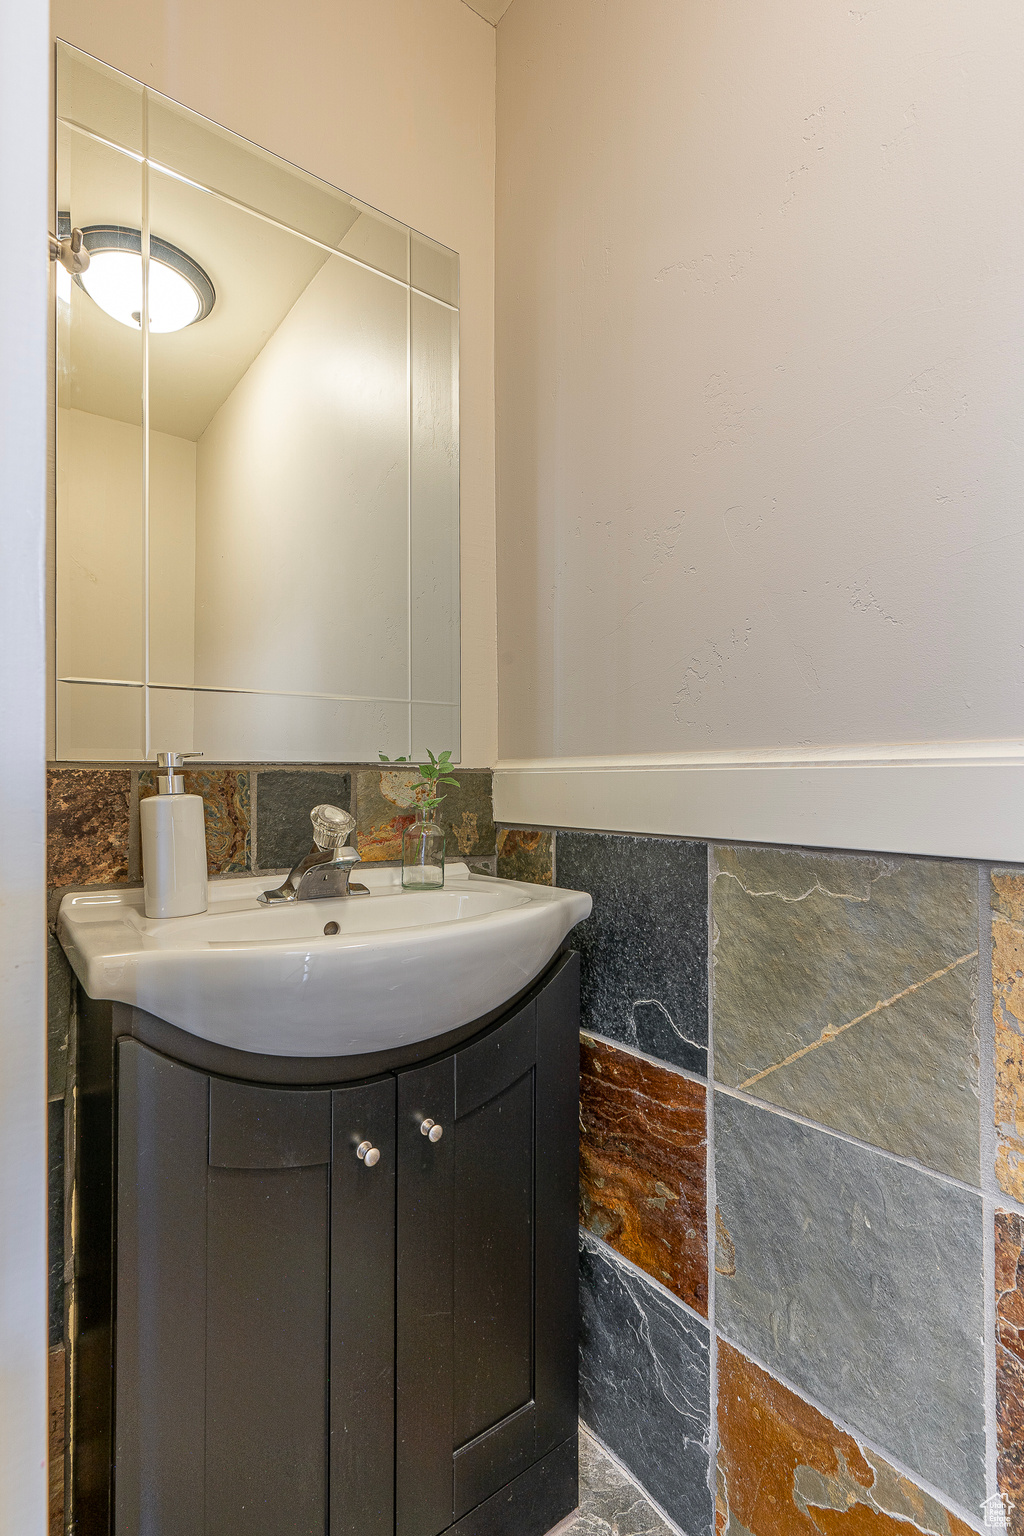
pixel 484 1068
pixel 494 1458
pixel 423 1357
pixel 495 1133
pixel 266 1362
pixel 494 1260
pixel 363 1314
pixel 163 1117
pixel 496 1227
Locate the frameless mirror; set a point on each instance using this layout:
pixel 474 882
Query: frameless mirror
pixel 257 543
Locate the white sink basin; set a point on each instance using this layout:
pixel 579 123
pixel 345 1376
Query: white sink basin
pixel 403 966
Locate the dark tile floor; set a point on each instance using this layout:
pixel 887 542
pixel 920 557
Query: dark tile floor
pixel 610 1504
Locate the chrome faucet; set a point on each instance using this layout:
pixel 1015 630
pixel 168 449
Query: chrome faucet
pixel 324 871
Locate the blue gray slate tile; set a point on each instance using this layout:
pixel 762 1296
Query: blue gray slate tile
pixel 643 950
pixel 645 1384
pixel 284 799
pixel 859 1279
pixel 846 990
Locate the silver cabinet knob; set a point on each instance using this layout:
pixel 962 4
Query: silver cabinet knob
pixel 431 1130
pixel 368 1154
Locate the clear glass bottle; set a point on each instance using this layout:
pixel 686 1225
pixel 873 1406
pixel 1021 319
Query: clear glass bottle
pixel 423 852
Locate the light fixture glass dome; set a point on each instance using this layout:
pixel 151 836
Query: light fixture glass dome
pixel 180 292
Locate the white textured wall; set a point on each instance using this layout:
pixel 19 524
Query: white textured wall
pixel 760 294
pixel 393 102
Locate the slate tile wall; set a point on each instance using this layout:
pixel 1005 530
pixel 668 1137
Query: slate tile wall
pixel 1008 1018
pixel 795 1033
pixel 644 949
pixel 645 1374
pixel 816 1024
pixel 1010 1361
pixel 643 1157
pixel 784 1466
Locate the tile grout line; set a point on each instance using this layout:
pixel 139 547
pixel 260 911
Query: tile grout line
pixel 592 1240
pixel 914 1478
pixel 711 1197
pixel 852 1141
pixel 620 1466
pixel 788 1114
pixel 987 1139
pixel 655 1061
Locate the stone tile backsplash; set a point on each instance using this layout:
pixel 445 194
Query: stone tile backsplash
pixel 257 818
pixel 644 948
pixel 1010 1363
pixel 227 810
pixel 847 1148
pixel 526 855
pixel 88 825
pixel 846 990
pixel 1008 1016
pixel 860 1280
pixel 386 802
pixel 783 1466
pixel 643 1156
pixel 645 1367
pixel 286 797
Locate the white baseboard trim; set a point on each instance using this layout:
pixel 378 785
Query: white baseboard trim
pixel 948 799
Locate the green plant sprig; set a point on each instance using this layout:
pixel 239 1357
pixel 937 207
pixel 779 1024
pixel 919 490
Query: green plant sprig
pixel 437 771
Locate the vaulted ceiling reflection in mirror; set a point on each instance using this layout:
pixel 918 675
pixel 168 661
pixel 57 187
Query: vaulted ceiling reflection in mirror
pixel 257 512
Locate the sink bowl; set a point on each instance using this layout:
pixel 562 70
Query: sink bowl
pixel 322 978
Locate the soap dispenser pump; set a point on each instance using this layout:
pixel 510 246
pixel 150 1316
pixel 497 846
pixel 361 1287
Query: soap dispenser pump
pixel 173 843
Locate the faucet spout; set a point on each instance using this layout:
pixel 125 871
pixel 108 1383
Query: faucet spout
pixel 324 873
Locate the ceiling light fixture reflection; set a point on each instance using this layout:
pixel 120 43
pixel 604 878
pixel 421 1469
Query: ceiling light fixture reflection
pixel 180 293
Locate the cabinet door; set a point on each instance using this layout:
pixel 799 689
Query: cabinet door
pixel 487 1287
pixel 248 1255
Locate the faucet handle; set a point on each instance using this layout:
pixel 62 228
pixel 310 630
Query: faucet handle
pixel 331 826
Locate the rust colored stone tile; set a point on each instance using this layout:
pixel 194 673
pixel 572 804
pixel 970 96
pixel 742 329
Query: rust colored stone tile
pixel 1010 1365
pixel 1008 1013
pixel 87 825
pixel 57 1435
pixel 643 1167
pixel 386 800
pixel 227 812
pixel 525 855
pixel 785 1470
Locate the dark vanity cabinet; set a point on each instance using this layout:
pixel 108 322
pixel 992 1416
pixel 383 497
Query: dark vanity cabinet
pixel 328 1317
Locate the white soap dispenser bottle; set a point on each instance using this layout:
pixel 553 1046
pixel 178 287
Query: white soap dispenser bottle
pixel 173 844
